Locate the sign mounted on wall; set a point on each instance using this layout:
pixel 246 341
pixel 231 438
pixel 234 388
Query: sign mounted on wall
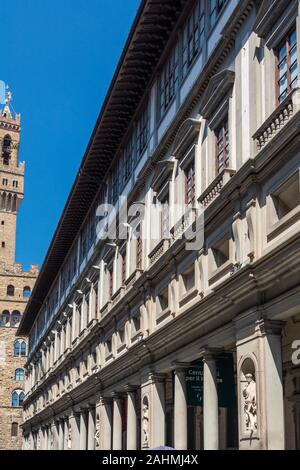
pixel 225 382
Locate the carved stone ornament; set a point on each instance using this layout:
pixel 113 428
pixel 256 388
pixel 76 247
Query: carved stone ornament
pixel 145 423
pixel 250 404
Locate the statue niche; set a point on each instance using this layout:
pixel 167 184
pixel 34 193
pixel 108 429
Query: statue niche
pixel 249 397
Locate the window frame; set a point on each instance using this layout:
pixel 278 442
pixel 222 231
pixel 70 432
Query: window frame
pixel 225 139
pixel 285 43
pixel 190 184
pixel 219 10
pixel 193 31
pixel 169 80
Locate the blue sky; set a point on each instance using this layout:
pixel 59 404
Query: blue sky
pixel 58 57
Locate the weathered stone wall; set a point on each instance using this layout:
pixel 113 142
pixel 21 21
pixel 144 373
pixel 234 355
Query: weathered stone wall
pixel 8 362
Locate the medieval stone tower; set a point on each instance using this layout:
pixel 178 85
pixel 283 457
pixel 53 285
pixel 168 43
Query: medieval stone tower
pixel 15 284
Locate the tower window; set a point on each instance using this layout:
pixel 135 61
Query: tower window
pixel 17 398
pixel 14 429
pixel 26 291
pixel 2 222
pixel 3 244
pixel 15 184
pixel 5 319
pixel 6 149
pixel 20 348
pixel 15 318
pixel 5 181
pixel 10 289
pixel 19 375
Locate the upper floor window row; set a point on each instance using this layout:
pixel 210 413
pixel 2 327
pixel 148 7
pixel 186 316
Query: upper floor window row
pixel 186 50
pixel 216 8
pixel 286 66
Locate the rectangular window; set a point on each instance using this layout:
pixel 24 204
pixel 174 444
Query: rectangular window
pixel 115 184
pixel 142 132
pixel 139 252
pixel 193 36
pixel 190 184
pixel 169 81
pixel 286 66
pixel 216 7
pixel 222 146
pixel 128 161
pixel 83 245
pixel 165 219
pixel 110 283
pixel 123 255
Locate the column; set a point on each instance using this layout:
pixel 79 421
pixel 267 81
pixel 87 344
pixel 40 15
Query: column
pixel 158 415
pixel 61 435
pixel 68 334
pixel 75 427
pixel 117 423
pixel 210 403
pixel 74 319
pixel 272 384
pixel 55 435
pixel 180 409
pixel 83 430
pixel 259 374
pixel 66 433
pixel 91 428
pixel 131 420
pixel 106 416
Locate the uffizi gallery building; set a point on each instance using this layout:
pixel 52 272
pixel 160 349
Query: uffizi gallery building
pixel 139 340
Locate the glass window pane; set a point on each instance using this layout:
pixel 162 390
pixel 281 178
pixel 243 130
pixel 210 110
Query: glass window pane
pixel 294 71
pixel 293 38
pixel 293 55
pixel 282 68
pixel 282 53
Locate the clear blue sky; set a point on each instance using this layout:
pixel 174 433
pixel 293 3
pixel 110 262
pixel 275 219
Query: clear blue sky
pixel 58 57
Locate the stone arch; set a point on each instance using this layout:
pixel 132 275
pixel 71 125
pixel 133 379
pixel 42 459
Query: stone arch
pixel 9 203
pixel 3 201
pixel 14 203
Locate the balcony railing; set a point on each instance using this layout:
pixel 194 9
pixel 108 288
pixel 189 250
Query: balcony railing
pixel 278 119
pixel 159 250
pixel 183 223
pixel 214 189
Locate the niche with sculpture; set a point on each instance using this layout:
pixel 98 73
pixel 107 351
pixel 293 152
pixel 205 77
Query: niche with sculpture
pixel 145 422
pixel 248 390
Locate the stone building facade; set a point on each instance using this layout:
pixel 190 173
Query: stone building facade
pixel 15 285
pixel 183 328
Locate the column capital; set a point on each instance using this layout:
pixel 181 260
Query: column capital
pixel 209 354
pixel 180 366
pixel 117 395
pixel 269 327
pixel 156 377
pixel 130 388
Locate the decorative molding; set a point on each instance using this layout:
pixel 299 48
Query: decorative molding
pixel 219 85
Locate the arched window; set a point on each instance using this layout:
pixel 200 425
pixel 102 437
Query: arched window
pixel 6 149
pixel 10 290
pixel 15 319
pixel 5 319
pixel 20 347
pixel 26 291
pixel 19 374
pixel 17 398
pixel 14 429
